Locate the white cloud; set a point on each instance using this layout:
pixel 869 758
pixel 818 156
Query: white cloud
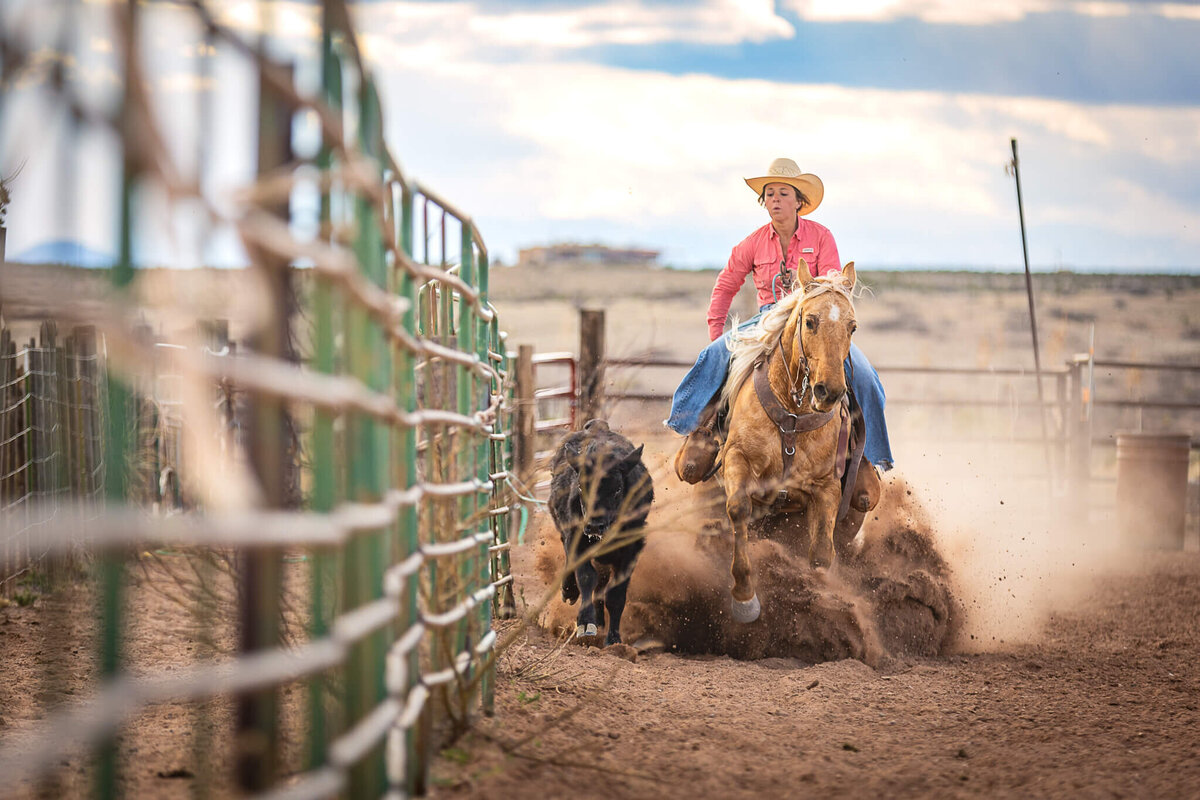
pixel 1179 11
pixel 437 28
pixel 909 175
pixel 975 12
pixel 287 19
pixel 545 149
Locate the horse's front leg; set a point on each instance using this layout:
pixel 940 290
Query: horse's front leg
pixel 744 605
pixel 821 519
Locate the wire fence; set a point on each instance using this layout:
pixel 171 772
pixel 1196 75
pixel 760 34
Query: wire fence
pixel 356 446
pixel 51 416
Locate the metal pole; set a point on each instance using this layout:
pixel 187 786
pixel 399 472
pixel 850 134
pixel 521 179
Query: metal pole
pixel 327 313
pixel 1037 358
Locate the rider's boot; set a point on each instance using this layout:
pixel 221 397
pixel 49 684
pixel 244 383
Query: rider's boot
pixel 697 456
pixel 867 487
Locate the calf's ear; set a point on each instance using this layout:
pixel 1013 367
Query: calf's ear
pixel 633 458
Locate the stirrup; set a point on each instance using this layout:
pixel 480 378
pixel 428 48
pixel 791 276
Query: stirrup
pixel 868 487
pixel 696 460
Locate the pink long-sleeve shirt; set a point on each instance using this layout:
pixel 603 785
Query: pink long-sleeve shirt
pixel 760 253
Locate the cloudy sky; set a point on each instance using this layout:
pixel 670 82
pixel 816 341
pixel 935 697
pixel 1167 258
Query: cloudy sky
pixel 633 123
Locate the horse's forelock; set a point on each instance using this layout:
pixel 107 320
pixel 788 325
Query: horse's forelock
pixel 829 283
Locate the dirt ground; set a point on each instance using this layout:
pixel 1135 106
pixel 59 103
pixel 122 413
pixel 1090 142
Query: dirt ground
pixel 178 616
pixel 979 643
pixel 1092 693
pixel 1104 704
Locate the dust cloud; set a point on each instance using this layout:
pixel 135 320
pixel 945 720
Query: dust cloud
pixel 963 554
pixel 891 596
pixel 1017 553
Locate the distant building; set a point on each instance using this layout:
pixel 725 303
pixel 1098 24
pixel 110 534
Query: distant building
pixel 586 254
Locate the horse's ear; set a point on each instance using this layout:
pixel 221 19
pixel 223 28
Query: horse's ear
pixel 804 274
pixel 848 276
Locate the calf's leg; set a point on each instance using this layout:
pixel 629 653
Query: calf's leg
pixel 614 599
pixel 585 623
pixel 605 575
pixel 570 587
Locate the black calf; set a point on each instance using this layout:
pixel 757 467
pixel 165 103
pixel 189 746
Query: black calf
pixel 600 494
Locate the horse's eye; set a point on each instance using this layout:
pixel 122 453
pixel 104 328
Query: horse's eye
pixel 810 323
pixel 853 327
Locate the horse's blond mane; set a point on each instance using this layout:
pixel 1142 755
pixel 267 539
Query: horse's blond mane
pixel 752 344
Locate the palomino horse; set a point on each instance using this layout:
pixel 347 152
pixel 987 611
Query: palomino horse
pixel 784 434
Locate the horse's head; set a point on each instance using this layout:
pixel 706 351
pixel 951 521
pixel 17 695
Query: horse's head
pixel 819 331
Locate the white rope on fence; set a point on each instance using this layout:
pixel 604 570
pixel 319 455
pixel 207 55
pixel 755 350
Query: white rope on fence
pixel 69 524
pixel 115 526
pixel 86 724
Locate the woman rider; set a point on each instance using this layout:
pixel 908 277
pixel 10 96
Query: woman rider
pixel 772 254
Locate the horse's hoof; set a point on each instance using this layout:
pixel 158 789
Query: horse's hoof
pixel 581 631
pixel 745 611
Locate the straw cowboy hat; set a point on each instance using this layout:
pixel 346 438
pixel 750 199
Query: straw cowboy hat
pixel 784 170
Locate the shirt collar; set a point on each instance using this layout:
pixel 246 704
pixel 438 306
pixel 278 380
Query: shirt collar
pixel 774 234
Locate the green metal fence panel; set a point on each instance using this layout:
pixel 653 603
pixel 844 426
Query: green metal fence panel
pixel 401 409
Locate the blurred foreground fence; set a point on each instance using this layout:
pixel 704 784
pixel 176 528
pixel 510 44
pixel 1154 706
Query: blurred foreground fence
pixel 355 451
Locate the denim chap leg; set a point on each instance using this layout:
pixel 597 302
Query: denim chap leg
pixel 698 387
pixel 704 380
pixel 868 390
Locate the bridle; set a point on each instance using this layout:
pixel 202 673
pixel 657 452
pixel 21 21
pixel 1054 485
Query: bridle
pixel 801 364
pixel 791 424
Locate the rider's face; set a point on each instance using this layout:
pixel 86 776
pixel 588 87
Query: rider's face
pixel 781 202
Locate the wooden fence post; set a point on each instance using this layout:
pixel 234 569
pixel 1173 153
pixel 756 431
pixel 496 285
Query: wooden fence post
pixel 591 366
pixel 1062 459
pixel 525 417
pixel 1079 435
